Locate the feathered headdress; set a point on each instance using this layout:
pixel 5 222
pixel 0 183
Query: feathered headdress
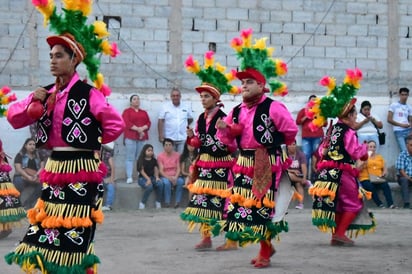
pixel 256 60
pixel 338 99
pixel 213 76
pixel 91 38
pixel 5 99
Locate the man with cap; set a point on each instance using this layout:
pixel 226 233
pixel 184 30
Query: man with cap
pixel 73 120
pixel 210 187
pixel 259 125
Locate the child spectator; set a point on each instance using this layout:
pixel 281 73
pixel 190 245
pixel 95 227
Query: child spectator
pixel 106 155
pixel 149 178
pixel 186 160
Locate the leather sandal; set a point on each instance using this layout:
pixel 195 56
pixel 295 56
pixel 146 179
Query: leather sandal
pixel 203 245
pixel 341 240
pixel 258 257
pixel 227 247
pixel 262 263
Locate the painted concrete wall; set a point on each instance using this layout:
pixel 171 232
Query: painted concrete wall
pixel 13 139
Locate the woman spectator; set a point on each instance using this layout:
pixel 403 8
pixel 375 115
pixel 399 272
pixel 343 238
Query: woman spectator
pixel 28 165
pixel 366 124
pixel 135 134
pixel 375 166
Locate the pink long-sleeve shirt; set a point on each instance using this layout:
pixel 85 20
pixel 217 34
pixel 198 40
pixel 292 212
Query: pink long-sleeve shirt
pixel 111 121
pixel 279 114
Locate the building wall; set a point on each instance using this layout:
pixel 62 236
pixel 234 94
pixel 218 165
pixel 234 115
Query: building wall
pixel 152 103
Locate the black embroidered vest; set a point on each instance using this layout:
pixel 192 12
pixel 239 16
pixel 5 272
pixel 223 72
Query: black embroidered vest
pixel 265 132
pixel 336 149
pixel 210 143
pixel 80 129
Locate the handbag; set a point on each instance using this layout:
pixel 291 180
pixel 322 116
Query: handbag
pixel 381 136
pixel 376 179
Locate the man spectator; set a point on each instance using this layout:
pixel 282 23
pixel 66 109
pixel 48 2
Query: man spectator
pixel 310 139
pixel 399 115
pixel 173 120
pixel 404 169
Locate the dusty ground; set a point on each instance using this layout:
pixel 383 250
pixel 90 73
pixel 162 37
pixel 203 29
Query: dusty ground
pixel 154 242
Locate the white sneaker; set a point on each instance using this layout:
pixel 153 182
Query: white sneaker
pixel 129 181
pixel 141 205
pixel 299 206
pixel 158 205
pixel 106 208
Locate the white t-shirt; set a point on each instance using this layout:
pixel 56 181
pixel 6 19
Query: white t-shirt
pixel 368 128
pixel 175 120
pixel 400 114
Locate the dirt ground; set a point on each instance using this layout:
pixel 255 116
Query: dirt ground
pixel 156 241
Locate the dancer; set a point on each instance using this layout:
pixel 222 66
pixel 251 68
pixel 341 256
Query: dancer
pixel 75 121
pixel 259 125
pixel 11 209
pixel 211 188
pixel 337 197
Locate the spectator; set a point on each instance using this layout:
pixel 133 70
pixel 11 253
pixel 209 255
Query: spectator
pixel 173 120
pixel 375 165
pixel 187 158
pixel 149 176
pixel 169 169
pixel 135 134
pixel 298 171
pixel 366 124
pixel 11 210
pixel 400 116
pixel 404 169
pixel 106 156
pixel 28 166
pixel 310 138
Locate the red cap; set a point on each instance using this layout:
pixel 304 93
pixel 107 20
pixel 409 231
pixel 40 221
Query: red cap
pixel 210 89
pixel 68 41
pixel 251 73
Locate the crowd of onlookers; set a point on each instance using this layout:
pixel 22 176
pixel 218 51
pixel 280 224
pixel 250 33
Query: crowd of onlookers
pixel 168 170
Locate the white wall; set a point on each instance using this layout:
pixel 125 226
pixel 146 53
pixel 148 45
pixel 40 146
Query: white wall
pixel 13 139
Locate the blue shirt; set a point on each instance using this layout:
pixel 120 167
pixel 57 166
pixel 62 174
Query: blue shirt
pixel 404 162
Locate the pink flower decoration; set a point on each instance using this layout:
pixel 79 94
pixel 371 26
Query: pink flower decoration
pixel 246 33
pixel 114 50
pixel 39 3
pixel 209 55
pixel 105 90
pixel 189 61
pixel 6 90
pixel 325 81
pixel 12 97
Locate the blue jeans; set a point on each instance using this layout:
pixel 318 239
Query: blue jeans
pixel 168 190
pixel 374 189
pixel 400 136
pixel 133 149
pixel 309 145
pixel 147 189
pixel 111 192
pixel 404 183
